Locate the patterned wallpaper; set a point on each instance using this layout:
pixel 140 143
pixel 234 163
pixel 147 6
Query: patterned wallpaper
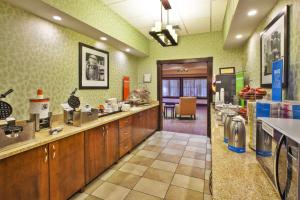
pixel 192 46
pixel 252 49
pixel 98 15
pixel 37 53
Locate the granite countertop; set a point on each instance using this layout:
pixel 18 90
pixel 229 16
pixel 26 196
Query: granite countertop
pixel 237 176
pixel 42 137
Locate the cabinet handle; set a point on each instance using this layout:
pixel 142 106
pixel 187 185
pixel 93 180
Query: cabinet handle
pixel 46 154
pixel 54 151
pixel 106 130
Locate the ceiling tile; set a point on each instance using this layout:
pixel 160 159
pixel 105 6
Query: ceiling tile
pixel 200 25
pixel 193 16
pixel 192 8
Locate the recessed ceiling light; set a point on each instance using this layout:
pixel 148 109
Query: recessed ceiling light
pixel 252 13
pixel 127 50
pixel 239 36
pixel 57 18
pixel 103 38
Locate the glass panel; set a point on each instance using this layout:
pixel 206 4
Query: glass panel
pixel 171 88
pixel 166 85
pixel 195 87
pixel 174 88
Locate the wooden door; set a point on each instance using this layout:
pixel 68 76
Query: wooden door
pixel 25 176
pixel 66 166
pixel 94 146
pixel 112 143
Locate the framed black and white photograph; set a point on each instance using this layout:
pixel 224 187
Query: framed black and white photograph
pixel 93 68
pixel 274 46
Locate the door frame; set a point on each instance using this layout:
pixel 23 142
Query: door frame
pixel 160 63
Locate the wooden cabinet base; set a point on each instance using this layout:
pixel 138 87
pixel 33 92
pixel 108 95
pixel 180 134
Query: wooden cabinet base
pixel 66 167
pixel 25 176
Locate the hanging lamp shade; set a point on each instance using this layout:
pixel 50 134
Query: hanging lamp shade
pixel 165 35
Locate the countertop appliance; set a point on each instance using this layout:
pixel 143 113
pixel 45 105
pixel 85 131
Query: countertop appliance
pixel 278 153
pixel 227 124
pixel 10 131
pixel 39 111
pixel 226 83
pixel 237 135
pixel 72 115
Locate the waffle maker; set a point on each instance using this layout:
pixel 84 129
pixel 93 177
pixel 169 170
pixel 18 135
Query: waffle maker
pixel 73 116
pixel 6 110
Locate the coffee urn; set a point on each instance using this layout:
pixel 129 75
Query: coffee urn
pixel 237 135
pixel 227 124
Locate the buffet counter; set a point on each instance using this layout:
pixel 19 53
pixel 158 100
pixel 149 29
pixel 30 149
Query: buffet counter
pixel 237 176
pixel 42 137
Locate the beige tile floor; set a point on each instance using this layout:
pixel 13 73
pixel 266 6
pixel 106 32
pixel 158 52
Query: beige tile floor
pixel 171 166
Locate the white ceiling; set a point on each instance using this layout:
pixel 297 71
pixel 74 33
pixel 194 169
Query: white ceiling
pixel 245 25
pixel 193 16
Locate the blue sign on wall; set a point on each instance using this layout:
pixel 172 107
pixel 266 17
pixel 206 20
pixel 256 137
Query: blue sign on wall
pixel 277 80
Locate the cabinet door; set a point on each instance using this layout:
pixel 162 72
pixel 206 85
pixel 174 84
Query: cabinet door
pixel 94 153
pixel 137 129
pixel 25 176
pixel 66 166
pixel 112 143
pixel 154 117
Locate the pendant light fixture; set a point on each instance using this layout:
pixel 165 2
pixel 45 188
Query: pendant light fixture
pixel 165 34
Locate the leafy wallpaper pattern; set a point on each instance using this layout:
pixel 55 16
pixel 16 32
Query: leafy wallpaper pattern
pixel 37 53
pixel 252 49
pixel 191 46
pixel 99 16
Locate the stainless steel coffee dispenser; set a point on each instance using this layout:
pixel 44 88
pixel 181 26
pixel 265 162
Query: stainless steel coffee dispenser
pixel 227 124
pixel 237 136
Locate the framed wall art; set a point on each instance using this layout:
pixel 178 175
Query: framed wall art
pixel 93 68
pixel 275 46
pixel 227 70
pixel 147 78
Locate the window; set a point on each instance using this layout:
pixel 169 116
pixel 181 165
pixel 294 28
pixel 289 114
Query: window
pixel 171 87
pixel 195 87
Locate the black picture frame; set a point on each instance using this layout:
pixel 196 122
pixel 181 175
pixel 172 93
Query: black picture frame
pixel 98 78
pixel 266 77
pixel 225 69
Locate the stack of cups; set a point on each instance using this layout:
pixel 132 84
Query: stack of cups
pixel 290 109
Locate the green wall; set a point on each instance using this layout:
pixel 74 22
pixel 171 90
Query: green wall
pixel 191 46
pixel 96 14
pixel 252 49
pixel 37 53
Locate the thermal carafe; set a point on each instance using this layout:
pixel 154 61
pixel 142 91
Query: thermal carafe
pixel 227 124
pixel 263 141
pixel 237 135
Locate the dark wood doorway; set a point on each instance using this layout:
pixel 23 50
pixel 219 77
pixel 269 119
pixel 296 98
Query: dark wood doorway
pixel 209 61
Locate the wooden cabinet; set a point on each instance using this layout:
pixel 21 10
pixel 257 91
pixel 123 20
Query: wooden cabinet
pixel 144 124
pixel 66 166
pixel 112 143
pixel 25 175
pixel 125 135
pixel 59 169
pixel 138 128
pixel 101 149
pixel 94 152
pixel 153 126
